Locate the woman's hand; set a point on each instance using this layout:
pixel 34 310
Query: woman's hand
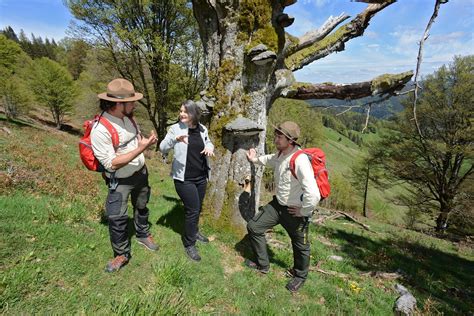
pixel 208 152
pixel 182 138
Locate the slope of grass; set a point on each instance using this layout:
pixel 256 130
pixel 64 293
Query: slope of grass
pixel 342 153
pixel 54 246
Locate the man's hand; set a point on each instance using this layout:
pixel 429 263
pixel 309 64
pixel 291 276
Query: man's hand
pixel 251 155
pixel 295 211
pixel 182 138
pixel 208 152
pixel 144 142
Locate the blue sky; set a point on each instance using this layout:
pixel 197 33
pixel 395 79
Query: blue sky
pixel 389 45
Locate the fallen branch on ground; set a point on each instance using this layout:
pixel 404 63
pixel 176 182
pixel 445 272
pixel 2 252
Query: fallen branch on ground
pixel 338 214
pixel 333 273
pixel 382 275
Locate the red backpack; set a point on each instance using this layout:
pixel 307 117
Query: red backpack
pixel 318 162
pixel 85 145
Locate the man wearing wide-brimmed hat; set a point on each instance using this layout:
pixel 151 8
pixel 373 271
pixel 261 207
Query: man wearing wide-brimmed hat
pixel 126 173
pixel 295 199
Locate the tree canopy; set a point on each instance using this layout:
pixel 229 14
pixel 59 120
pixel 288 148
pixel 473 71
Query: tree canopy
pixel 142 41
pixel 53 88
pixel 438 162
pixel 13 63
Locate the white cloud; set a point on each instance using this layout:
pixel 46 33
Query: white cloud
pixel 371 34
pixel 406 41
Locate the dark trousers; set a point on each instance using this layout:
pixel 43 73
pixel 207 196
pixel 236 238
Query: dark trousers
pixel 192 194
pixel 271 215
pixel 116 207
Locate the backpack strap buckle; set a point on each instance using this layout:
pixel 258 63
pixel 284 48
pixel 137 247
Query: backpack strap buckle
pixel 113 182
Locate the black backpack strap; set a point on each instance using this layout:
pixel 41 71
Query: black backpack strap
pixel 136 134
pixel 128 141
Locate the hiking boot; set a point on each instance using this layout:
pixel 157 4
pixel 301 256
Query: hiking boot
pixel 295 284
pixel 255 266
pixel 148 243
pixel 116 263
pixel 202 238
pixel 192 253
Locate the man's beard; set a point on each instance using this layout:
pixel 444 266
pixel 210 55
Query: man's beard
pixel 129 115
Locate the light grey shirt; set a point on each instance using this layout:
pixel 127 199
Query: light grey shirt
pixel 104 150
pixel 178 167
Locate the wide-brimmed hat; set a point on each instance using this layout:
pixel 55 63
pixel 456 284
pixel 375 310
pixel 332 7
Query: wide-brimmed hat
pixel 290 129
pixel 120 90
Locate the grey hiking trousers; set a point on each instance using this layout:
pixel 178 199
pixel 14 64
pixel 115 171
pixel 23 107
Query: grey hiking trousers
pixel 116 208
pixel 271 215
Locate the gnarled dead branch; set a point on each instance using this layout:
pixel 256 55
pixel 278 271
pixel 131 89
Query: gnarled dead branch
pixel 385 84
pixel 335 41
pixel 313 36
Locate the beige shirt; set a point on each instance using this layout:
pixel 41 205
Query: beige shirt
pixel 302 192
pixel 104 150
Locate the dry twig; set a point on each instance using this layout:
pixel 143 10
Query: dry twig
pixel 420 57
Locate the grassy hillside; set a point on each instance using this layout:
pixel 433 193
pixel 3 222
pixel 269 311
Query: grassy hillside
pixel 342 154
pixel 54 245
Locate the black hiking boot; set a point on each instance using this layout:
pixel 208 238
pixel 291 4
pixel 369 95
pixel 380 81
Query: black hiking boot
pixel 202 238
pixel 255 266
pixel 295 284
pixel 192 253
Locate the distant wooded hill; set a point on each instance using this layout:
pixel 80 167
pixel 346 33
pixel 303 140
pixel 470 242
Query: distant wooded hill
pixel 382 110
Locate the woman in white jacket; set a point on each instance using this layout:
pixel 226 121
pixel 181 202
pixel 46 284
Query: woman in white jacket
pixel 190 170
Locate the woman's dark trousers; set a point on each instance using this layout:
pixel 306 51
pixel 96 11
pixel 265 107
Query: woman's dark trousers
pixel 192 194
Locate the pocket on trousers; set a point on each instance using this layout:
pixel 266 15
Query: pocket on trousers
pixel 148 194
pixel 113 204
pixel 259 214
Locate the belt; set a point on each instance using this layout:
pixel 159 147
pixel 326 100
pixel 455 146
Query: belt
pixel 112 181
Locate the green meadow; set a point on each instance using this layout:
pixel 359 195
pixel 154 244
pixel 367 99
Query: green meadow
pixel 54 246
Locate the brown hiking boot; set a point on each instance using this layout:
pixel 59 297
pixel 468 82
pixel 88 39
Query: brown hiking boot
pixel 116 263
pixel 148 243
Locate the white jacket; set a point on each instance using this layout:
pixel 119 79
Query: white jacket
pixel 178 166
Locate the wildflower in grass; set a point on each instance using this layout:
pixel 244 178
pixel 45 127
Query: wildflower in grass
pixel 354 287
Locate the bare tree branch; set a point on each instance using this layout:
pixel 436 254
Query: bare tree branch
pixel 367 119
pixel 313 36
pixel 384 84
pixel 369 1
pixel 350 107
pixel 336 41
pixel 404 92
pixel 420 58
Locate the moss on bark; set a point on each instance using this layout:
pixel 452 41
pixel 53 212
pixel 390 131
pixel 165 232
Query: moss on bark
pixel 296 59
pixel 255 24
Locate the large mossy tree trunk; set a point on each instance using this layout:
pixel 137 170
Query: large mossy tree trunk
pixel 249 63
pixel 238 88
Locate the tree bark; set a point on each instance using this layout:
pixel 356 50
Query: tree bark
pixel 366 190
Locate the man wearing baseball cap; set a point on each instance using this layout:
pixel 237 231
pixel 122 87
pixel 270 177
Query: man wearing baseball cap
pixel 126 172
pixel 293 203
